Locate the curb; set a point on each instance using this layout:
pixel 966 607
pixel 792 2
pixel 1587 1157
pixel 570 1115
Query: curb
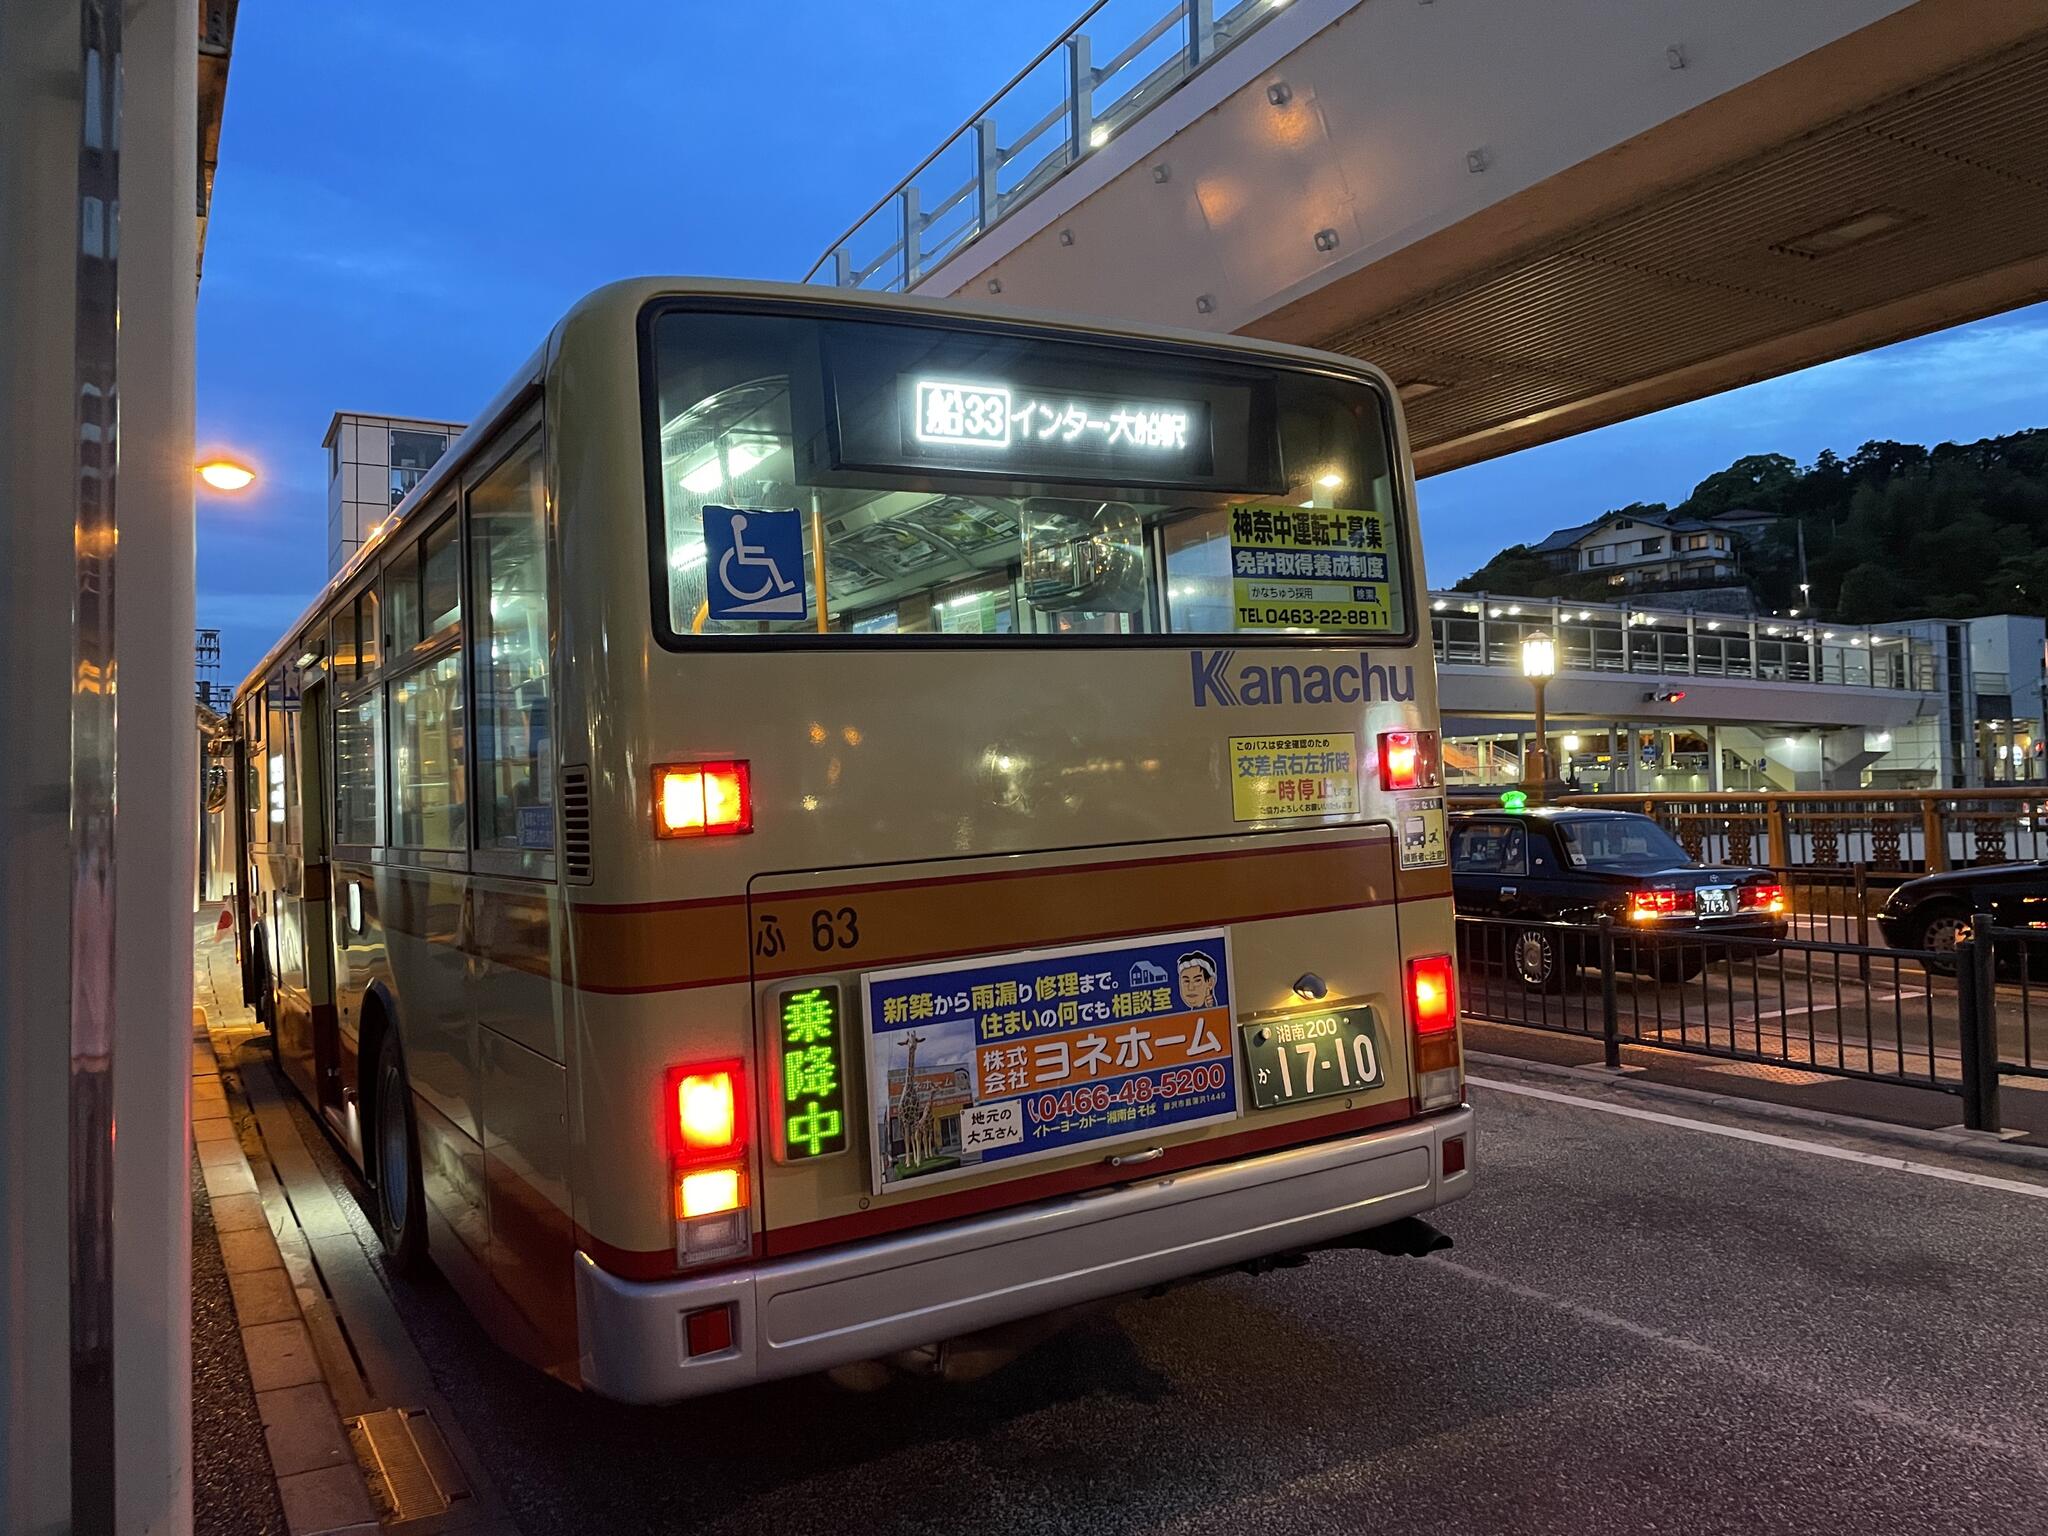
pixel 1957 1142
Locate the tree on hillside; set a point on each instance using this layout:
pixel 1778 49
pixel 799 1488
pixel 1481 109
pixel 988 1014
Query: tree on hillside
pixel 1758 480
pixel 1893 531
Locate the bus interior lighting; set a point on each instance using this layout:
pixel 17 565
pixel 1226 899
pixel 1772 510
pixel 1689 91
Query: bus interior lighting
pixel 703 800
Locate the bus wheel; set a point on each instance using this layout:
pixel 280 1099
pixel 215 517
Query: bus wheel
pixel 401 1208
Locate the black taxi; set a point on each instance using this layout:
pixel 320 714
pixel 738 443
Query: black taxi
pixel 1576 864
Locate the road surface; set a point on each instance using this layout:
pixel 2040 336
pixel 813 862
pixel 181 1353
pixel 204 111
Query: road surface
pixel 1645 1325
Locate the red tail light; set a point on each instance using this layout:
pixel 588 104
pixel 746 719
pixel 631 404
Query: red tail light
pixel 1763 897
pixel 707 1111
pixel 1433 1016
pixel 704 1107
pixel 1408 760
pixel 703 799
pixel 1432 994
pixel 1643 905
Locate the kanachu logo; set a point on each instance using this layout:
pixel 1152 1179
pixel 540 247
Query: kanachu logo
pixel 1220 680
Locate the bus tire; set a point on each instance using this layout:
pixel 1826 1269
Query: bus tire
pixel 400 1205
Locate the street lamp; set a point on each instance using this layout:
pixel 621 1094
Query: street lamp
pixel 227 475
pixel 1539 664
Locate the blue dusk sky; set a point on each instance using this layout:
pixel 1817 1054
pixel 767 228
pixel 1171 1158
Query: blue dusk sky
pixel 410 196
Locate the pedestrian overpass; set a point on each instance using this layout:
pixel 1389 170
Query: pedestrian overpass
pixel 1539 218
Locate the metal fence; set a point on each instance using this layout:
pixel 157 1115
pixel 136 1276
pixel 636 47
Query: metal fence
pixel 1113 65
pixel 1902 1016
pixel 1900 831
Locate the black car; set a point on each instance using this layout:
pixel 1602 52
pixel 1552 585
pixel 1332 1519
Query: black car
pixel 1934 911
pixel 1573 865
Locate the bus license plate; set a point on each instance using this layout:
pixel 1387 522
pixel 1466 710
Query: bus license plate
pixel 1312 1055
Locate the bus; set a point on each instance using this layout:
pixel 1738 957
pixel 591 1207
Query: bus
pixel 829 823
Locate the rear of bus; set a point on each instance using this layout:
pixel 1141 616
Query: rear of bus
pixel 1016 868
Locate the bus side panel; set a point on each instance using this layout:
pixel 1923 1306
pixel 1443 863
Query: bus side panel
pixel 360 960
pixel 424 925
pixel 526 1169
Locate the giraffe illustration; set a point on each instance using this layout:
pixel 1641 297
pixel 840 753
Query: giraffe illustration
pixel 914 1108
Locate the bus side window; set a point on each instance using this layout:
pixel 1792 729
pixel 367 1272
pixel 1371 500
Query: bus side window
pixel 515 788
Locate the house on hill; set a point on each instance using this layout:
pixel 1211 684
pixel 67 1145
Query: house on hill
pixel 1639 549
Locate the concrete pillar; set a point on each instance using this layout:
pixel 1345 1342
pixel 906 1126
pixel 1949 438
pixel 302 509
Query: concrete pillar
pixel 41 105
pixel 98 190
pixel 158 767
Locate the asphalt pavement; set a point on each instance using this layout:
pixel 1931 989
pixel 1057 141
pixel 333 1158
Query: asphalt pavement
pixel 1645 1326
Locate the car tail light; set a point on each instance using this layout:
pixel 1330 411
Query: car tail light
pixel 704 1107
pixel 1644 905
pixel 703 800
pixel 1763 897
pixel 1433 1019
pixel 1409 760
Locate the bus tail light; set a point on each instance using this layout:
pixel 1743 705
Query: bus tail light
pixel 1409 760
pixel 708 1108
pixel 704 1107
pixel 703 799
pixel 1433 1022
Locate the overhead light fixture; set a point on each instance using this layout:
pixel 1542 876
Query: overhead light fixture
pixel 1415 389
pixel 1330 482
pixel 1097 136
pixel 1857 229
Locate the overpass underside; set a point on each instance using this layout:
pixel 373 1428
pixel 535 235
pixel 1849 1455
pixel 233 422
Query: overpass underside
pixel 1545 218
pixel 1923 209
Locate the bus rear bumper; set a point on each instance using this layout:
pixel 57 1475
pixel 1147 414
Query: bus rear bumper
pixel 862 1301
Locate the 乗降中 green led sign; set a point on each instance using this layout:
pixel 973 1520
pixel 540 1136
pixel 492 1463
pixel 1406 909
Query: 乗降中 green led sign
pixel 811 1087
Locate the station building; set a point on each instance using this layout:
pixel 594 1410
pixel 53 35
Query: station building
pixel 1665 699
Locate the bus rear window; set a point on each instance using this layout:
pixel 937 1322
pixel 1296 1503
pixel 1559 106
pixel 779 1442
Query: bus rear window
pixel 872 478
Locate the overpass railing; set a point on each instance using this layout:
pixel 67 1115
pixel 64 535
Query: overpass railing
pixel 1111 67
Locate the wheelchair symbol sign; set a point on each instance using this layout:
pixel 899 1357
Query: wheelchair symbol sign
pixel 754 562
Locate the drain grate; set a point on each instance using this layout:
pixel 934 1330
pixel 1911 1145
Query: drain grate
pixel 413 1475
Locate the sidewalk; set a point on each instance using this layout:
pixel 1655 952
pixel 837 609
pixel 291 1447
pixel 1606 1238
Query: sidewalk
pixel 305 1480
pixel 2023 1102
pixel 309 1348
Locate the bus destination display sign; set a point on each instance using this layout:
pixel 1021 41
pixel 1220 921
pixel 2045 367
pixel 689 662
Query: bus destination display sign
pixel 1013 1058
pixel 983 424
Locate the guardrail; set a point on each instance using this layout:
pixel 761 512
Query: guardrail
pixel 1057 110
pixel 1917 1018
pixel 1898 832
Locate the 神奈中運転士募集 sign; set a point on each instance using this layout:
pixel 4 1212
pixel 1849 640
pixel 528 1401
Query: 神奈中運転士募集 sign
pixel 1012 1058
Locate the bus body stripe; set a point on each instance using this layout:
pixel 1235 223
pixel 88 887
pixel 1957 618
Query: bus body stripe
pixel 692 945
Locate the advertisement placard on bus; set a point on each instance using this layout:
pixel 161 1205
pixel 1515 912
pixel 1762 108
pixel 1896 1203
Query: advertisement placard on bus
pixel 1003 1059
